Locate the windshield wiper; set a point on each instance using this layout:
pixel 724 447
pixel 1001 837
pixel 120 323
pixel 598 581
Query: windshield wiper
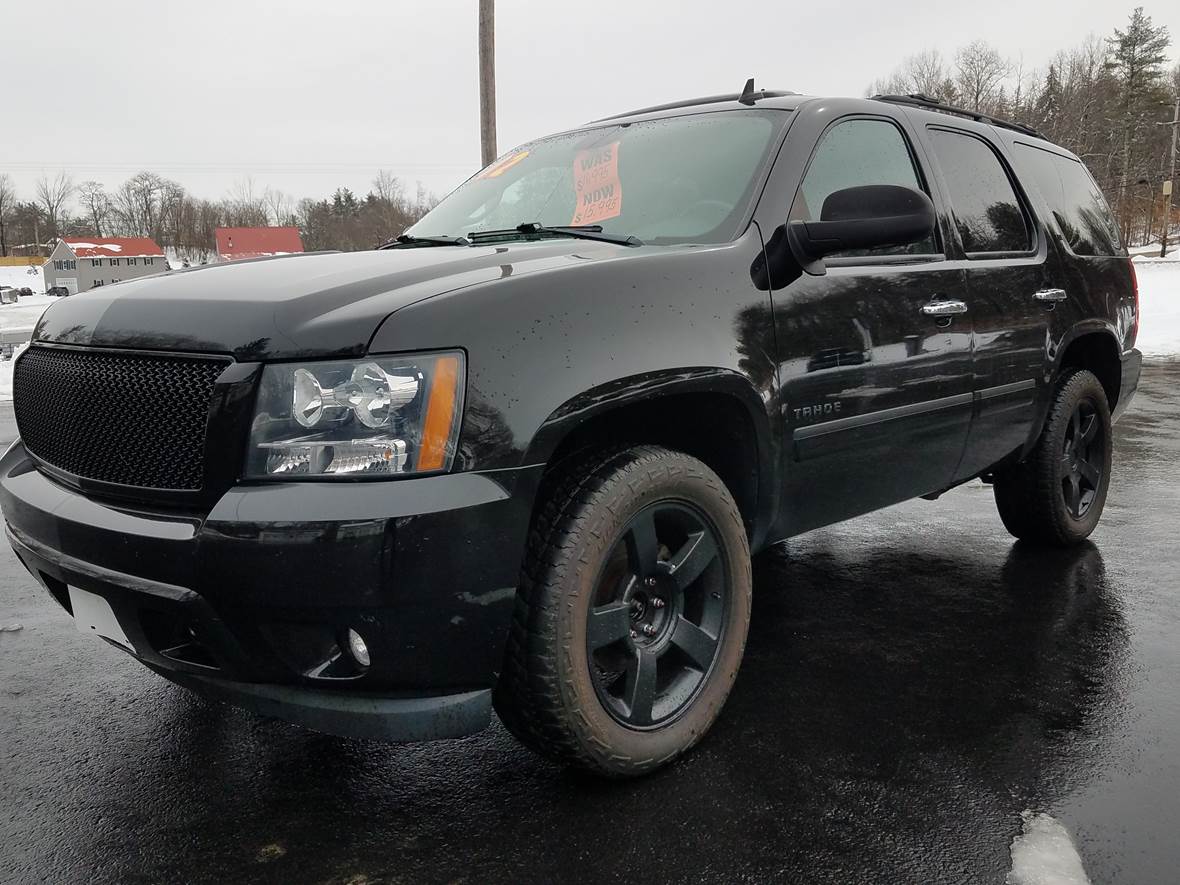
pixel 408 240
pixel 580 232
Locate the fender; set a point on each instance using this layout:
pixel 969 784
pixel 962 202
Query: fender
pixel 598 401
pixel 1055 354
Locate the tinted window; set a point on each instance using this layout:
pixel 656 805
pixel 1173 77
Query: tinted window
pixel 985 205
pixel 1075 201
pixel 855 153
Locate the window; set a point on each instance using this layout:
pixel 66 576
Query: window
pixel 131 262
pixel 58 265
pixel 686 179
pixel 987 211
pixel 1075 201
pixel 114 262
pixel 149 261
pixel 96 262
pixel 854 153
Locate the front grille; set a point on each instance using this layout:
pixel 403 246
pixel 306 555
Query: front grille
pixel 123 418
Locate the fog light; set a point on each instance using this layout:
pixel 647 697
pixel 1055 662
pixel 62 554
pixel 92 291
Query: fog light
pixel 357 648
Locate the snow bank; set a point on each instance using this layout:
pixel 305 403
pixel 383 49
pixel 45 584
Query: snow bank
pixel 1159 306
pixel 1044 854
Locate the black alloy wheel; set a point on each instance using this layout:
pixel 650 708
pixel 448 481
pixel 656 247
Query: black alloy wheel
pixel 1055 495
pixel 658 615
pixel 1083 459
pixel 632 612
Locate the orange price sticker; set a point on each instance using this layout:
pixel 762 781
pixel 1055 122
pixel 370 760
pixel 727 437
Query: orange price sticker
pixel 502 165
pixel 597 188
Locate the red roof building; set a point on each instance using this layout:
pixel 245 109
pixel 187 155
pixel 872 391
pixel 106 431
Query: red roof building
pixel 234 243
pixel 113 247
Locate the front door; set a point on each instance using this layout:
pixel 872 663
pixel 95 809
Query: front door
pixel 874 355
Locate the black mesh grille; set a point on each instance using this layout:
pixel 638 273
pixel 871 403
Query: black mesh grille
pixel 121 418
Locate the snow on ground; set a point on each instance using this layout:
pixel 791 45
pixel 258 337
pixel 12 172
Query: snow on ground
pixel 16 322
pixel 20 278
pixel 1044 854
pixel 1159 306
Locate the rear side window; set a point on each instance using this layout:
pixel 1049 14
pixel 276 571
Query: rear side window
pixel 854 153
pixel 986 208
pixel 1075 201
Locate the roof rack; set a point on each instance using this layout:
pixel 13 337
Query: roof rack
pixel 929 103
pixel 747 97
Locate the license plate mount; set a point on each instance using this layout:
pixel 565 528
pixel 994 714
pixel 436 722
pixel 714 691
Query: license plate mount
pixel 94 615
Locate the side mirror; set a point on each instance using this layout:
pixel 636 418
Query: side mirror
pixel 865 217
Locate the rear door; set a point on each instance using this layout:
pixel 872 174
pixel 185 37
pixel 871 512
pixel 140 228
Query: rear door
pixel 1013 284
pixel 875 390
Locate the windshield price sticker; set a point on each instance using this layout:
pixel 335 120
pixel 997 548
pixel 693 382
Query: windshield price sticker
pixel 502 165
pixel 597 188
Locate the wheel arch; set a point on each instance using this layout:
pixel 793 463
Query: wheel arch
pixel 1096 348
pixel 715 415
pixel 1093 346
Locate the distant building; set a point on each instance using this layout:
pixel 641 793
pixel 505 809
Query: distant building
pixel 82 263
pixel 234 243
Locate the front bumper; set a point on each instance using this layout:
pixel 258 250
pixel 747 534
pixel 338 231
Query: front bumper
pixel 248 603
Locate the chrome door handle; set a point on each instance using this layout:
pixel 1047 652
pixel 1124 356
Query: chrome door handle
pixel 944 308
pixel 1051 295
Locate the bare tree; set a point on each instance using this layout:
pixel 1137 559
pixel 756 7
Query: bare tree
pixel 280 206
pixel 7 202
pixel 97 204
pixel 979 72
pixel 52 194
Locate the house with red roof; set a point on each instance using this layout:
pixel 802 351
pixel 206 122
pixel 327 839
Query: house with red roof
pixel 78 264
pixel 235 243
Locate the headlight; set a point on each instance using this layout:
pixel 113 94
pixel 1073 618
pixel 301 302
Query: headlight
pixel 380 416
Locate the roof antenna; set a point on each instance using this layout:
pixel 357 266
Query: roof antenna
pixel 748 95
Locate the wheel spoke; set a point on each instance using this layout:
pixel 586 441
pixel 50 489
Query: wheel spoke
pixel 1076 421
pixel 1089 430
pixel 694 642
pixel 643 549
pixel 608 623
pixel 1089 473
pixel 690 560
pixel 1073 494
pixel 640 690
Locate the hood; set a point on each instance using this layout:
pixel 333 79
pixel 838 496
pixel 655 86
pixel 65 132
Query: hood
pixel 302 306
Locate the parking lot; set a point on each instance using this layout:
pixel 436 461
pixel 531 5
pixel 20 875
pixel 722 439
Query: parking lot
pixel 914 681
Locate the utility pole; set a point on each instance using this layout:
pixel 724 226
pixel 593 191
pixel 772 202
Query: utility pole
pixel 1175 124
pixel 487 80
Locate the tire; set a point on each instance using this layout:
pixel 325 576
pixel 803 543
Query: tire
pixel 1056 495
pixel 609 665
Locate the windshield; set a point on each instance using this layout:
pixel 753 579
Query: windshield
pixel 682 179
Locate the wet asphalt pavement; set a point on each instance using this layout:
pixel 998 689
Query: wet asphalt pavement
pixel 913 681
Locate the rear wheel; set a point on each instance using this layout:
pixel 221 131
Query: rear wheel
pixel 1056 495
pixel 632 614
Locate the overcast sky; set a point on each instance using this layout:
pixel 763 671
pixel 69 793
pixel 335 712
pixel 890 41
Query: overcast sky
pixel 306 95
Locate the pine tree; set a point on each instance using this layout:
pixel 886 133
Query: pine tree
pixel 1136 61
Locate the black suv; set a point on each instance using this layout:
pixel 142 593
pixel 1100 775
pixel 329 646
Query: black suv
pixel 520 456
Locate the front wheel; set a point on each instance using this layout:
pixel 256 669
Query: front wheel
pixel 1056 495
pixel 632 613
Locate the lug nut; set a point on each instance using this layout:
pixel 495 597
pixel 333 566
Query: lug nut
pixel 651 582
pixel 657 602
pixel 649 630
pixel 634 635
